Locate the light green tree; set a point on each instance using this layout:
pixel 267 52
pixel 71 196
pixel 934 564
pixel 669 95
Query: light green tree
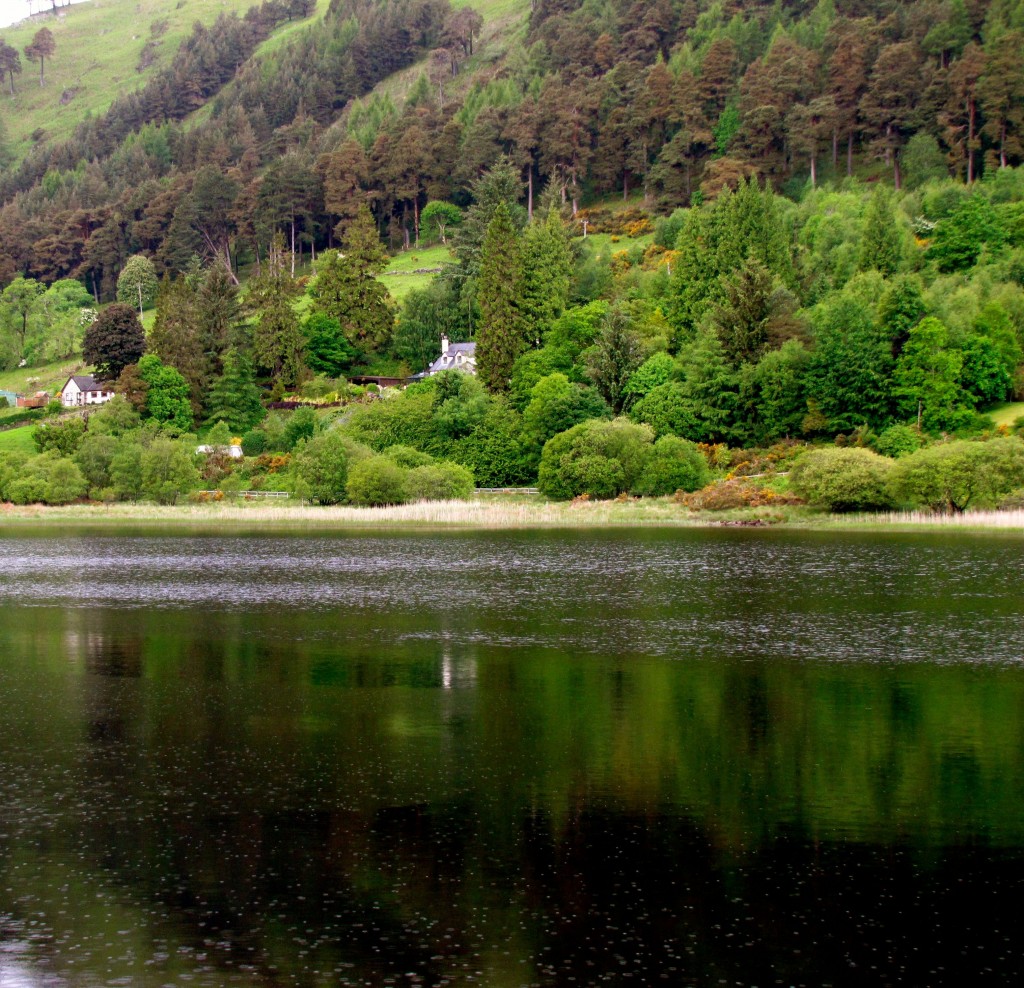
pixel 137 283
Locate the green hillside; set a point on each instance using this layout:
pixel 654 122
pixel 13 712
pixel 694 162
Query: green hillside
pixel 104 48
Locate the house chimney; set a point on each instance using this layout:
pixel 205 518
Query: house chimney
pixel 444 344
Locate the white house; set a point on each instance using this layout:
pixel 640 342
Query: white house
pixel 454 356
pixel 83 389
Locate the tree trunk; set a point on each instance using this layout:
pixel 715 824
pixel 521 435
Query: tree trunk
pixel 835 149
pixel 140 301
pixel 293 246
pixel 416 218
pixel 849 153
pixel 897 178
pixel 814 171
pixel 41 60
pixel 529 191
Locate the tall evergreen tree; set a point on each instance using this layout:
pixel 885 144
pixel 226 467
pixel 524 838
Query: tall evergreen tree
pixel 234 396
pixel 503 332
pixel 277 337
pixel 547 273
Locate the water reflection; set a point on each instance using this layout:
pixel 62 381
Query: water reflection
pixel 399 791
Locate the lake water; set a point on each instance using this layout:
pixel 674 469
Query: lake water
pixel 690 758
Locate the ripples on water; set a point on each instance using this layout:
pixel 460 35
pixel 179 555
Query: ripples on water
pixel 464 760
pixel 853 599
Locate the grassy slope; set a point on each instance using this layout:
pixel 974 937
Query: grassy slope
pixel 1006 414
pixel 46 377
pixel 98 49
pixel 17 441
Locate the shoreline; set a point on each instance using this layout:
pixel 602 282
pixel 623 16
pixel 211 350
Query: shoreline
pixel 480 515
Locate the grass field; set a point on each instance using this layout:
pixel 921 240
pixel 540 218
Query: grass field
pixel 46 377
pixel 99 45
pixel 1006 414
pixel 412 269
pixel 17 441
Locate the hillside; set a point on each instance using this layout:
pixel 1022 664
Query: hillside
pixel 103 48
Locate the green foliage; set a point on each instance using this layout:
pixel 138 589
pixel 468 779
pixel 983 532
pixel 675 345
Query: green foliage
pixel 460 403
pixel 957 475
pixel 882 243
pixel 973 226
pixel 167 394
pixel 234 397
pixel 616 353
pixel 302 424
pixel 377 481
pixel 254 442
pixel 601 459
pixel 556 405
pixel 322 466
pixel 327 349
pixel 898 440
pixel 503 330
pixel 547 271
pixel 843 479
pixel 673 465
pixel 441 215
pixel 168 471
pixel 495 451
pixel 926 379
pixel 137 283
pixel 94 457
pixel 656 370
pixel 439 482
pixel 49 478
pixel 63 438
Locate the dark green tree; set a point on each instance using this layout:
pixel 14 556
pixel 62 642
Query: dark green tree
pixel 503 332
pixel 167 393
pixel 234 397
pixel 328 351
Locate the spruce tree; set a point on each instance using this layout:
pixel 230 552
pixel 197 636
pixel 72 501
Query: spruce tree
pixel 503 331
pixel 174 338
pixel 881 246
pixel 347 289
pixel 547 273
pixel 234 397
pixel 277 338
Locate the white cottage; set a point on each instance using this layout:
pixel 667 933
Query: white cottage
pixel 83 389
pixel 454 356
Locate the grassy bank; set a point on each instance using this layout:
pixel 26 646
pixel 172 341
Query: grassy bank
pixel 504 513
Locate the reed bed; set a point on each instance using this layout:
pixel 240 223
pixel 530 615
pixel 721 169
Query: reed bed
pixel 1007 519
pixel 483 514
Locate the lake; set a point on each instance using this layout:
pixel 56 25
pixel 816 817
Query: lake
pixel 683 757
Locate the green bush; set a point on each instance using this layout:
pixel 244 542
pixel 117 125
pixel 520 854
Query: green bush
pixel 898 440
pixel 322 466
pixel 48 478
pixel 957 475
pixel 439 482
pixel 254 442
pixel 63 437
pixel 407 457
pixel 377 481
pixel 674 465
pixel 602 459
pixel 843 479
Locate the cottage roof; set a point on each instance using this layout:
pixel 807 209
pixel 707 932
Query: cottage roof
pixel 85 382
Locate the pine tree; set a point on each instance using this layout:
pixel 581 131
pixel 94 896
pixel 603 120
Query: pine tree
pixel 234 397
pixel 881 246
pixel 175 340
pixel 547 272
pixel 502 335
pixel 277 338
pixel 346 287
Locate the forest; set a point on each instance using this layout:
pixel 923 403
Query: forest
pixel 688 240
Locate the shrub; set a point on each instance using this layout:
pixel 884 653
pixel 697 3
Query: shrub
pixel 63 437
pixel 843 479
pixel 439 482
pixel 407 457
pixel 322 466
pixel 168 470
pixel 674 465
pixel 727 495
pixel 602 459
pixel 957 475
pixel 377 481
pixel 49 478
pixel 301 425
pixel 254 442
pixel 898 440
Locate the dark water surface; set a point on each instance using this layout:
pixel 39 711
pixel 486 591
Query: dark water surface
pixel 687 758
